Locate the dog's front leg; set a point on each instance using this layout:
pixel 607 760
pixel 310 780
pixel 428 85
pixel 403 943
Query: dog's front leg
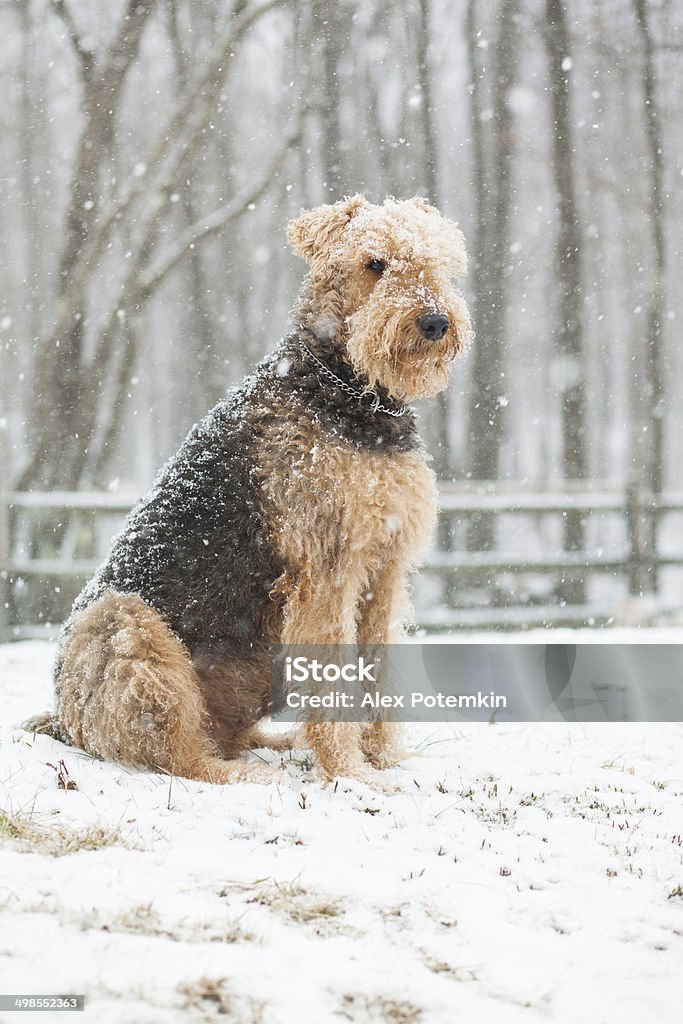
pixel 384 607
pixel 382 614
pixel 321 609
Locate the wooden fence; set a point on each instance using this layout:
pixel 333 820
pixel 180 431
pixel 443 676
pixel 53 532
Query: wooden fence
pixel 459 589
pixel 630 553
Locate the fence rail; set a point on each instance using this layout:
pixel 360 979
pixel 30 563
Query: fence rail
pixel 636 559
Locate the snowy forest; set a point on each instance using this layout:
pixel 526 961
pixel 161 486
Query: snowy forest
pixel 525 869
pixel 152 153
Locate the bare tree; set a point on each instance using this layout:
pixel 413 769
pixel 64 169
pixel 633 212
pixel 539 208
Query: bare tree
pixel 69 387
pixel 330 21
pixel 66 419
pixel 492 170
pixel 648 416
pixel 443 462
pixel 569 336
pixel 29 161
pixel 198 322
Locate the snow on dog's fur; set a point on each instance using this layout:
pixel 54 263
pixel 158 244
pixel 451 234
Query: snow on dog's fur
pixel 304 491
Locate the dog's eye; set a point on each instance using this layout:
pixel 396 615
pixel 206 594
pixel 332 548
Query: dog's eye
pixel 378 266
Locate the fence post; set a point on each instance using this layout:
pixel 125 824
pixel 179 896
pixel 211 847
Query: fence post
pixel 642 530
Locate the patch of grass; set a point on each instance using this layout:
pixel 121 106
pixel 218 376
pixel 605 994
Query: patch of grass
pixel 290 838
pixel 441 919
pixel 56 840
pixel 214 998
pixel 297 904
pixel 143 919
pixel 454 971
pixel 363 1009
pixel 62 776
pixel 303 761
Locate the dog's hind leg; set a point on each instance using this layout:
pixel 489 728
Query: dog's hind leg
pixel 126 691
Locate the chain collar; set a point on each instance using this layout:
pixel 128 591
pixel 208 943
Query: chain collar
pixel 358 395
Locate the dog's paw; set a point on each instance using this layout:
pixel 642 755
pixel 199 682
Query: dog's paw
pixel 45 725
pixel 388 758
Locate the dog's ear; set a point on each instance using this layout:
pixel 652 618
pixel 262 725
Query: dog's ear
pixel 314 233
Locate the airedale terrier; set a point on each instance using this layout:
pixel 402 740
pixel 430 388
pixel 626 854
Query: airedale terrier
pixel 292 513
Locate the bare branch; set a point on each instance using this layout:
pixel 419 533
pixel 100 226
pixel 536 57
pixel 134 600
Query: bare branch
pixel 96 244
pixel 86 57
pixel 217 221
pixel 138 285
pixel 124 48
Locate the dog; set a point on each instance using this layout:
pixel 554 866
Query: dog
pixel 294 512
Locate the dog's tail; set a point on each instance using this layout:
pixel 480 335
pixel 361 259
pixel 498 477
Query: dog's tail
pixel 45 725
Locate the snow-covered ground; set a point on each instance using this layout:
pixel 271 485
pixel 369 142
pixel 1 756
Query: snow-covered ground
pixel 521 873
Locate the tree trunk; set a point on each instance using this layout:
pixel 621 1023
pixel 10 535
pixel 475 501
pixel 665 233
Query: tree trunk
pixel 329 23
pixel 443 462
pixel 569 337
pixel 648 418
pixel 492 185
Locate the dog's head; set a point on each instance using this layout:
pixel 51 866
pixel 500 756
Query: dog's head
pixel 382 286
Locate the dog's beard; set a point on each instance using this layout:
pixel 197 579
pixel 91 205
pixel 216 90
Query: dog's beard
pixel 393 353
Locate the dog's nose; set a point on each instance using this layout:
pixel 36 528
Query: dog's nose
pixel 433 325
